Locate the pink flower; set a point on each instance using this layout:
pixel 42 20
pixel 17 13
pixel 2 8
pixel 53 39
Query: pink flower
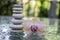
pixel 36 27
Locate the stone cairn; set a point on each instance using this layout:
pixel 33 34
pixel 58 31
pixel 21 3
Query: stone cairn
pixel 17 20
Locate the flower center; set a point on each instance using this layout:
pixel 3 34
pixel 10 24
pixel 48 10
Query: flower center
pixel 34 28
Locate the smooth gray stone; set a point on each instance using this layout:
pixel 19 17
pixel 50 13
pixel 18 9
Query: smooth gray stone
pixel 17 5
pixel 18 15
pixel 16 12
pixel 17 30
pixel 17 9
pixel 16 26
pixel 16 21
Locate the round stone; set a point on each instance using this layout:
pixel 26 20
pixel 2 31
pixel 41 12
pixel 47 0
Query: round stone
pixel 18 15
pixel 16 21
pixel 16 27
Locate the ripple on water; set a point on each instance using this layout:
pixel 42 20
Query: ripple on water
pixel 4 32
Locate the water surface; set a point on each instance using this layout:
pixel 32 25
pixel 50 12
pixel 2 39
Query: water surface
pixel 6 34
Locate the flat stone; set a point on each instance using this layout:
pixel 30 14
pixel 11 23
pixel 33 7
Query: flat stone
pixel 17 5
pixel 17 9
pixel 16 21
pixel 16 12
pixel 16 26
pixel 18 15
pixel 16 30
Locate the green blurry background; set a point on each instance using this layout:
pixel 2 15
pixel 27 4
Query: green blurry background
pixel 39 8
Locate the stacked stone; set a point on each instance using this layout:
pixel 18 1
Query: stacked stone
pixel 17 21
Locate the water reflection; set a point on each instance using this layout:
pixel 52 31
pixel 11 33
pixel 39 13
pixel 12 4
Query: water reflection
pixel 5 19
pixel 6 34
pixel 58 27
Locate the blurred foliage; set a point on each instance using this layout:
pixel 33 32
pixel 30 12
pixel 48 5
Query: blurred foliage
pixel 6 7
pixel 43 11
pixel 40 9
pixel 59 10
